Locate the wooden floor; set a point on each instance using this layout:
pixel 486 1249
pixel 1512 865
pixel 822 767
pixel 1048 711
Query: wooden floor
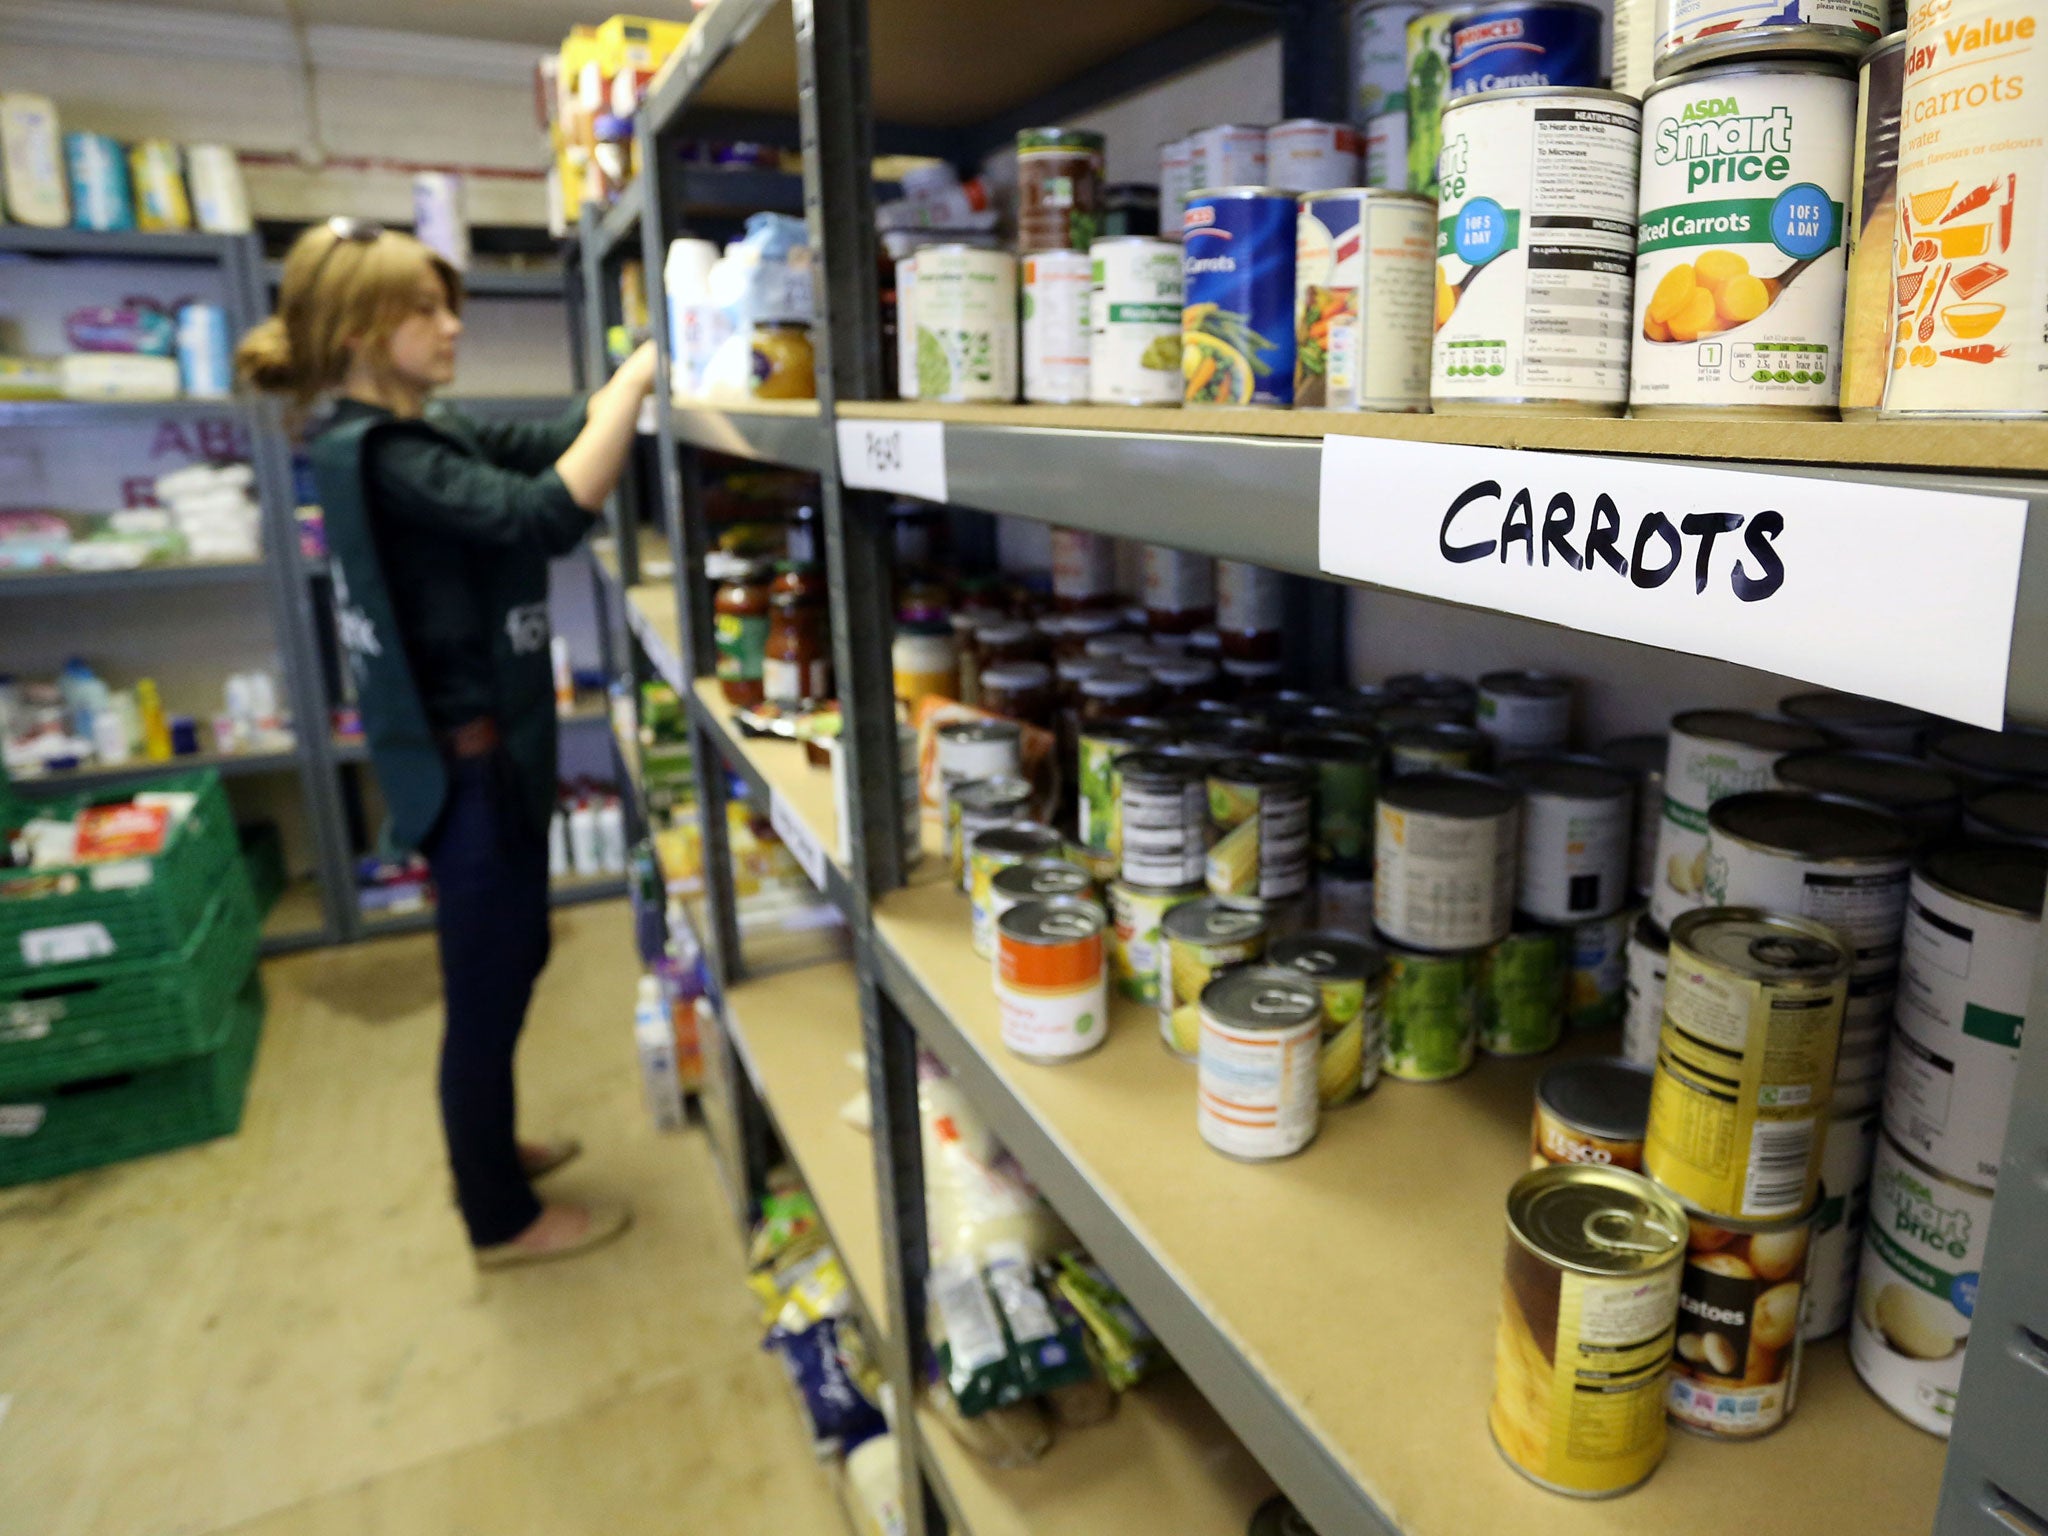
pixel 281 1334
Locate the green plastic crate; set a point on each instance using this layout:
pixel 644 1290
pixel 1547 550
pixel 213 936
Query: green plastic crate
pixel 54 920
pixel 263 860
pixel 115 1017
pixel 111 1119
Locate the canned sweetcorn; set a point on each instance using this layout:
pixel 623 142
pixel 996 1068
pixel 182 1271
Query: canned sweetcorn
pixel 1260 1044
pixel 1096 751
pixel 1838 1225
pixel 1593 1110
pixel 1237 323
pixel 1260 808
pixel 1362 272
pixel 1055 326
pixel 1589 1307
pixel 1444 854
pixel 1137 913
pixel 1735 1364
pixel 1752 1019
pixel 1134 314
pixel 973 806
pixel 1347 972
pixel 1692 33
pixel 1000 848
pixel 1432 1014
pixel 1649 958
pixel 1049 979
pixel 1198 941
pixel 966 320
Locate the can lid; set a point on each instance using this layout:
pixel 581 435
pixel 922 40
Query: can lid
pixel 1328 956
pixel 991 794
pixel 1262 997
pixel 1592 95
pixel 1370 195
pixel 1443 686
pixel 1763 946
pixel 1347 743
pixel 1883 778
pixel 1060 138
pixel 1017 674
pixel 1824 828
pixel 1054 920
pixel 1807 49
pixel 1746 728
pixel 1569 778
pixel 1526 685
pixel 1172 764
pixel 1450 794
pixel 1243 193
pixel 2008 875
pixel 1441 732
pixel 1043 877
pixel 1020 838
pixel 980 730
pixel 1827 710
pixel 1215 920
pixel 1599 1221
pixel 2015 754
pixel 1267 770
pixel 1606 1095
pixel 2010 810
pixel 1111 681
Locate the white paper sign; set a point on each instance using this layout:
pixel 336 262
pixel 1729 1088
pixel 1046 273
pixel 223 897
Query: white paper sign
pixel 62 946
pixel 907 457
pixel 1902 594
pixel 808 851
pixel 21 1119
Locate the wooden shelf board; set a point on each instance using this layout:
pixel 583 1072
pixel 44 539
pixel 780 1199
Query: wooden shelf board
pixel 805 789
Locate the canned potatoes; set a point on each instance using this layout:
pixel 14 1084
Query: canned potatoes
pixel 1735 1366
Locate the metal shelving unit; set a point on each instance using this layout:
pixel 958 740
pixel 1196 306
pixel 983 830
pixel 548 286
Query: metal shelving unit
pixel 1374 1423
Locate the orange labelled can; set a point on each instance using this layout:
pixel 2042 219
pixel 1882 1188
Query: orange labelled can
pixel 1049 979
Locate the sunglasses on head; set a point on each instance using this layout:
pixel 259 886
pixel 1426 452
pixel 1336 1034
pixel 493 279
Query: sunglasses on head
pixel 346 230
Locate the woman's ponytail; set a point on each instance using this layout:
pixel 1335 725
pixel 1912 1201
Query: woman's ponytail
pixel 264 362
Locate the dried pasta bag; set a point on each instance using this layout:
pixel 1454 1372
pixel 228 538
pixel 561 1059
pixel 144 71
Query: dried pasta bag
pixel 1128 1350
pixel 1015 1436
pixel 1046 1354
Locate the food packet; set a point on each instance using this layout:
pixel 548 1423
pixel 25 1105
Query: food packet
pixel 840 1415
pixel 974 1353
pixel 1127 1349
pixel 1046 1351
pixel 1014 1436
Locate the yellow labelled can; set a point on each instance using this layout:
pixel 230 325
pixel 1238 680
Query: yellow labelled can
pixel 1746 1061
pixel 1198 941
pixel 1351 974
pixel 996 849
pixel 1589 1305
pixel 1735 1366
pixel 1136 914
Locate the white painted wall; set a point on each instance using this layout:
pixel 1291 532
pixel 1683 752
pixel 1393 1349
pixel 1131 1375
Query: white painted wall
pixel 1241 87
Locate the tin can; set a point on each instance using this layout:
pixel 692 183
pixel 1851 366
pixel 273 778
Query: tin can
pixel 1592 1110
pixel 1260 808
pixel 1521 993
pixel 1137 915
pixel 1228 155
pixel 1347 778
pixel 1237 326
pixel 206 364
pixel 975 805
pixel 1972 929
pixel 1867 324
pixel 1916 1289
pixel 1385 162
pixel 1344 896
pixel 1049 979
pixel 1310 155
pixel 1432 1014
pixel 1535 251
pixel 1096 749
pixel 1362 265
pixel 1649 960
pixel 1596 990
pixel 1440 746
pixel 1846 1153
pixel 1164 815
pixel 1198 941
pixel 1348 972
pixel 906 327
pixel 1444 689
pixel 966 321
pixel 1528 714
pixel 1444 850
pixel 2017 812
pixel 1738 299
pixel 977 749
pixel 1978 757
pixel 1644 758
pixel 157 172
pixel 1429 92
pixel 98 172
pixel 1379 57
pixel 1735 1363
pixel 1261 1038
pixel 1176 181
pixel 1589 1303
pixel 1134 321
pixel 1693 33
pixel 1839 862
pixel 1038 879
pixel 1577 814
pixel 1635 46
pixel 1925 797
pixel 1752 1018
pixel 1517 44
pixel 1714 752
pixel 1059 189
pixel 1055 328
pixel 1967 174
pixel 1870 725
pixel 1000 848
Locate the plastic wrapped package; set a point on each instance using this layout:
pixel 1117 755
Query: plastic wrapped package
pixel 1124 1346
pixel 975 1194
pixel 874 1472
pixel 840 1413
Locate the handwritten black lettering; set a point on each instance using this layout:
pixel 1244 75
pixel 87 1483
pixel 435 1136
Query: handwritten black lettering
pixel 1757 538
pixel 1519 527
pixel 1659 526
pixel 1461 553
pixel 1708 526
pixel 1602 537
pixel 1557 527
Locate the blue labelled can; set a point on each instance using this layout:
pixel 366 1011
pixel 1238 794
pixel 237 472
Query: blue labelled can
pixel 98 169
pixel 1237 323
pixel 205 356
pixel 1529 42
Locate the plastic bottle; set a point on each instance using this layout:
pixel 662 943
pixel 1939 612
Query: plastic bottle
pixel 611 836
pixel 558 845
pixel 156 730
pixel 654 1035
pixel 583 849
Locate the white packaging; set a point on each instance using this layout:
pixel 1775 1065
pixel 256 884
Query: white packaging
pixel 32 161
pixel 585 857
pixel 1537 200
pixel 220 200
pixel 1306 154
pixel 1229 155
pixel 1257 1089
pixel 1176 181
pixel 1525 714
pixel 654 1037
pixel 1364 261
pixel 1250 599
pixel 695 325
pixel 611 837
pixel 439 221
pixel 1575 841
pixel 117 376
pixel 1680 22
pixel 1964 984
pixel 966 321
pixel 1379 61
pixel 1176 581
pixel 1134 320
pixel 1649 960
pixel 1923 1250
pixel 558 846
pixel 906 327
pixel 1635 45
pixel 1847 1148
pixel 1055 328
pixel 1444 882
pixel 1385 158
pixel 1787 130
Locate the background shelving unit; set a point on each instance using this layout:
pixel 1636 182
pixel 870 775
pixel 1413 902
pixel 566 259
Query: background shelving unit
pixel 1333 1315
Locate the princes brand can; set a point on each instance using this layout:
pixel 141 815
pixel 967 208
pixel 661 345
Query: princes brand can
pixel 1055 328
pixel 1049 979
pixel 1261 1041
pixel 1362 271
pixel 1521 993
pixel 1138 918
pixel 1735 1362
pixel 996 849
pixel 1134 313
pixel 1593 1110
pixel 1596 991
pixel 1432 1012
pixel 1536 250
pixel 1310 155
pixel 1576 817
pixel 1845 1157
pixel 966 324
pixel 1512 46
pixel 1260 808
pixel 99 182
pixel 1643 758
pixel 1649 961
pixel 1528 714
pixel 1237 326
pixel 1347 971
pixel 206 365
pixel 1444 848
pixel 1198 941
pixel 1695 32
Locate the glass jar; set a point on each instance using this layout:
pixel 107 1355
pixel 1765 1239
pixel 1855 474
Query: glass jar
pixel 798 665
pixel 740 628
pixel 1242 677
pixel 1083 569
pixel 1183 679
pixel 784 366
pixel 1112 692
pixel 1179 590
pixel 1009 640
pixel 1206 642
pixel 1250 604
pixel 1081 628
pixel 924 661
pixel 1019 690
pixel 1112 647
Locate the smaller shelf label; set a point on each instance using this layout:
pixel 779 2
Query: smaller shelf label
pixel 66 945
pixel 1880 589
pixel 907 457
pixel 808 851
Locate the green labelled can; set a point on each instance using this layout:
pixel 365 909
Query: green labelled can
pixel 1099 826
pixel 1199 940
pixel 1136 913
pixel 1349 973
pixel 1347 781
pixel 1522 990
pixel 1432 1013
pixel 1596 995
pixel 1429 89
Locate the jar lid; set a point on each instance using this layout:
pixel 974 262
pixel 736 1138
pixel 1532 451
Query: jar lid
pixel 1115 683
pixel 1017 674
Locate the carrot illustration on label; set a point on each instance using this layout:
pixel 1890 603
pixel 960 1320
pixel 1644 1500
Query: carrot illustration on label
pixel 1982 352
pixel 1972 200
pixel 2012 182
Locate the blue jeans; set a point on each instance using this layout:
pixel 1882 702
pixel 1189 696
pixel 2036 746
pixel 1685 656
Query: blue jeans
pixel 490 869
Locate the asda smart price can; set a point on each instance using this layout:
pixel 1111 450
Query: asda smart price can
pixel 1363 260
pixel 1134 319
pixel 1237 320
pixel 1524 43
pixel 1741 261
pixel 1055 326
pixel 1137 914
pixel 1846 1153
pixel 1536 204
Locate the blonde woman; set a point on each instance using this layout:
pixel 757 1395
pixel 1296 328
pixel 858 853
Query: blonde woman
pixel 442 529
